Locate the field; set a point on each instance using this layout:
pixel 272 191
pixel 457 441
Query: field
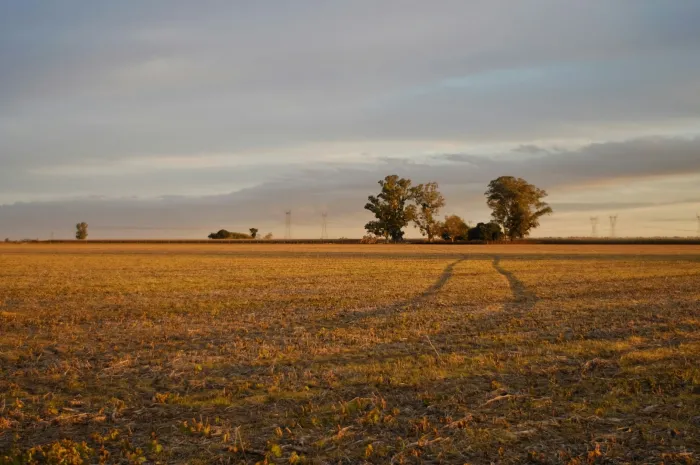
pixel 349 354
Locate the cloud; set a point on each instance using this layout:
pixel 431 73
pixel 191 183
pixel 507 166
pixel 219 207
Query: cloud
pixel 576 187
pixel 309 103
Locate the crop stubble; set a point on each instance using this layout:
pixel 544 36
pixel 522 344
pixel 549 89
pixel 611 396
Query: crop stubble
pixel 328 354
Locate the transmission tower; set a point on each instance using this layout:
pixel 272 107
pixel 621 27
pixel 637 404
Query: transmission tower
pixel 698 217
pixel 613 224
pixel 594 226
pixel 288 224
pixel 324 225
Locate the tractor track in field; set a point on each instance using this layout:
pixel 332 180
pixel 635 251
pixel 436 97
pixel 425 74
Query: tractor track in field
pixel 408 304
pixel 524 299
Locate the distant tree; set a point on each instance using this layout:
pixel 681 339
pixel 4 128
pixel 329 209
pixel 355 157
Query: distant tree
pixel 454 228
pixel 223 234
pixel 516 205
pixel 253 232
pixel 490 231
pixel 81 231
pixel 429 202
pixel 391 208
pixel 7 239
pixel 268 237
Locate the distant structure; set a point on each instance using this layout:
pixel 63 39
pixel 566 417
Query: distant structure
pixel 613 224
pixel 288 224
pixel 698 217
pixel 324 225
pixel 594 226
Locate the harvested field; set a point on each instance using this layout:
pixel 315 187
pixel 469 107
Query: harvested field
pixel 349 354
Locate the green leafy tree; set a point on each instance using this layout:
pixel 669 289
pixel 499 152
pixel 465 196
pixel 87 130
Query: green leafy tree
pixel 391 208
pixel 81 231
pixel 454 228
pixel 253 232
pixel 490 231
pixel 429 201
pixel 516 205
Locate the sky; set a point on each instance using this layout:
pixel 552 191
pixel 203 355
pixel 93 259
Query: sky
pixel 173 119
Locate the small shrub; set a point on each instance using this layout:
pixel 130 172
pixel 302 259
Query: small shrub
pixel 370 239
pixel 65 452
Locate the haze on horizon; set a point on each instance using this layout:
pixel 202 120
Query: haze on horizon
pixel 176 118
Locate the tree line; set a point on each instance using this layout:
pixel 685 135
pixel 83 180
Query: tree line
pixel 516 207
pixel 224 234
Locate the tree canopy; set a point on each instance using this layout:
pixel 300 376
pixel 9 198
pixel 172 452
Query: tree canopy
pixel 454 228
pixel 429 202
pixel 81 231
pixel 490 231
pixel 516 209
pixel 516 205
pixel 391 208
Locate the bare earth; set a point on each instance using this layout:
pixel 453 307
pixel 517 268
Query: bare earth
pixel 349 354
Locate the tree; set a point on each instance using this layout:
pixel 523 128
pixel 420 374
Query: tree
pixel 454 228
pixel 429 202
pixel 223 234
pixel 516 205
pixel 490 231
pixel 81 231
pixel 268 237
pixel 253 232
pixel 391 209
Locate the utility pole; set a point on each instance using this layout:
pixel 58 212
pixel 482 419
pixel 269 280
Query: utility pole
pixel 288 224
pixel 613 224
pixel 594 226
pixel 324 225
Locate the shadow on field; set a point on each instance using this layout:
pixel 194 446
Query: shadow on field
pixel 416 301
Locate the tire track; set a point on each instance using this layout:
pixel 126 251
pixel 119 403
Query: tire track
pixel 404 305
pixel 524 299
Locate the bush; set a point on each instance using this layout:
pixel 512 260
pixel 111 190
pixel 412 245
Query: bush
pixel 223 234
pixel 486 232
pixel 371 239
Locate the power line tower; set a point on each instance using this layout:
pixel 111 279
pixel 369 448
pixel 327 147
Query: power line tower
pixel 324 225
pixel 613 224
pixel 698 217
pixel 594 226
pixel 288 224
